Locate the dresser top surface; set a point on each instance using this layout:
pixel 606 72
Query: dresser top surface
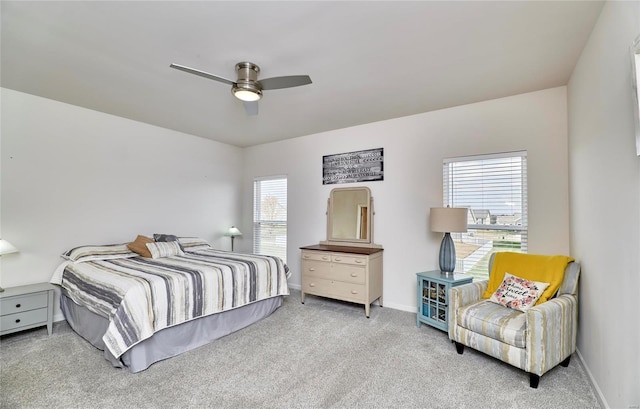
pixel 342 249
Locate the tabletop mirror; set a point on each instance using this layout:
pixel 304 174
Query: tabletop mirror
pixel 350 217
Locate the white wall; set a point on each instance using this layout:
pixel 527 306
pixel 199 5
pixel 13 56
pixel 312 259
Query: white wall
pixel 413 149
pixel 72 176
pixel 605 205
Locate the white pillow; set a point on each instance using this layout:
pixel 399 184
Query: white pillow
pixel 193 244
pixel 160 249
pixel 100 252
pixel 518 293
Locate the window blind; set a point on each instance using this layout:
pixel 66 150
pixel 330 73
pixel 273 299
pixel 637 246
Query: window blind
pixel 270 216
pixel 494 188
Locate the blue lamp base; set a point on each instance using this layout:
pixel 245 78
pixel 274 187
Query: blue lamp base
pixel 447 255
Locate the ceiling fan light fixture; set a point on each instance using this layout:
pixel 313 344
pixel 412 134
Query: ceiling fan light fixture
pixel 246 94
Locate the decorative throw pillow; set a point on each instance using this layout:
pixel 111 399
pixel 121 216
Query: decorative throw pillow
pixel 164 249
pixel 518 293
pixel 139 245
pixel 164 237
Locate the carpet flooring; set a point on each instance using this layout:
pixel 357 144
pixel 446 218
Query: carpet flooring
pixel 323 354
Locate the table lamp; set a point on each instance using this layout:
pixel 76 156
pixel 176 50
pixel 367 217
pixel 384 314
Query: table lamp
pixel 447 220
pixel 6 248
pixel 233 232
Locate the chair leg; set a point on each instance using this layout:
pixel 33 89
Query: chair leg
pixel 534 380
pixel 565 363
pixel 459 348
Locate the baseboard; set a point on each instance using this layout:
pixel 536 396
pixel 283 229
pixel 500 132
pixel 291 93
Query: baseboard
pixel 601 400
pixel 400 307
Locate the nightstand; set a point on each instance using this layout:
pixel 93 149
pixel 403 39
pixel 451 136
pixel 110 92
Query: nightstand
pixel 433 297
pixel 25 307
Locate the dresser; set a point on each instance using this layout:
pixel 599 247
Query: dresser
pixel 345 273
pixel 25 307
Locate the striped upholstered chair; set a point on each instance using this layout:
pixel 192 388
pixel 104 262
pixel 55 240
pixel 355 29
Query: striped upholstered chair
pixel 534 341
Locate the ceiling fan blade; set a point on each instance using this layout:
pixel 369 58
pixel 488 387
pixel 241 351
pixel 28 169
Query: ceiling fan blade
pixel 251 108
pixel 284 82
pixel 201 73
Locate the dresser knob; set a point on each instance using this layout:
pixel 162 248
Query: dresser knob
pixel 18 305
pixel 358 261
pixel 325 258
pixel 338 259
pixel 312 284
pixel 354 275
pixel 18 320
pixel 354 292
pixel 312 269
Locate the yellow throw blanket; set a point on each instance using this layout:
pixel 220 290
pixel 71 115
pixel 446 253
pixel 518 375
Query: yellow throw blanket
pixel 534 267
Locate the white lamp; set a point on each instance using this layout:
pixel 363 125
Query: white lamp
pixel 6 248
pixel 447 220
pixel 233 232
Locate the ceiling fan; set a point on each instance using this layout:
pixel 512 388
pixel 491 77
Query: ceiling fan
pixel 247 88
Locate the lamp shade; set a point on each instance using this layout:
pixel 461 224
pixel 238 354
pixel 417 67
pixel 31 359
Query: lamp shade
pixel 6 247
pixel 233 231
pixel 448 219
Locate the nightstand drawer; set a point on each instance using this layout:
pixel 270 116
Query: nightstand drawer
pixel 23 319
pixel 23 303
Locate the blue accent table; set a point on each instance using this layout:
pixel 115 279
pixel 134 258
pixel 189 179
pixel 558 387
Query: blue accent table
pixel 433 297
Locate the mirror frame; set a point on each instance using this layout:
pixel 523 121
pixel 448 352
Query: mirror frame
pixel 331 240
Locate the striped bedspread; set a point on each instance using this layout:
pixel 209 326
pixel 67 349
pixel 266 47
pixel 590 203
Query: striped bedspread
pixel 141 296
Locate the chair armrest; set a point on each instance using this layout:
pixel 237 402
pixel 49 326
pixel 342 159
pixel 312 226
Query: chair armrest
pixel 467 294
pixel 460 296
pixel 552 329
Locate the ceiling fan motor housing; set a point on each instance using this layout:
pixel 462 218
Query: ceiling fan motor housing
pixel 247 74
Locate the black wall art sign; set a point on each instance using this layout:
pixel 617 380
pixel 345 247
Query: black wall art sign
pixel 360 166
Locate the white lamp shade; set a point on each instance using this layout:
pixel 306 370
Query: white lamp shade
pixel 448 219
pixel 233 231
pixel 6 247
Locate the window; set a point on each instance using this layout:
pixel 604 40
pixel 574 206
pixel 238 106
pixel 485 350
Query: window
pixel 494 188
pixel 270 216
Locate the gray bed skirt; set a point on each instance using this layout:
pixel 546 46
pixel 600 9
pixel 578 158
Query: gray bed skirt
pixel 169 341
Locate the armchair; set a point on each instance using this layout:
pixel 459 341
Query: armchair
pixel 534 341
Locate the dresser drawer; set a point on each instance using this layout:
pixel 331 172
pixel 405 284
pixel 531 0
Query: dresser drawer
pixel 23 319
pixel 319 256
pixel 334 289
pixel 355 260
pixel 23 303
pixel 340 272
pixel 316 268
pixel 348 273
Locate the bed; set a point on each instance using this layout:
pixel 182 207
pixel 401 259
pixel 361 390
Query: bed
pixel 140 310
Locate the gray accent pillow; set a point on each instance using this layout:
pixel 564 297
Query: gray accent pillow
pixel 165 238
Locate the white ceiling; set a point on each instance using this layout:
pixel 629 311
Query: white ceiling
pixel 369 61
